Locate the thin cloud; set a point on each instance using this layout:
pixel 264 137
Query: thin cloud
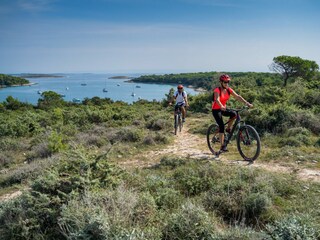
pixel 215 3
pixel 35 5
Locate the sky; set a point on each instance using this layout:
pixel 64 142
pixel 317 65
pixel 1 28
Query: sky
pixel 155 36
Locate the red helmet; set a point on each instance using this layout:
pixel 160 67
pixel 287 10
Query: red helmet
pixel 180 86
pixel 225 78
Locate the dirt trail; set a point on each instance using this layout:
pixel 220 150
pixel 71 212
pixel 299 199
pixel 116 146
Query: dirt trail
pixel 9 196
pixel 193 146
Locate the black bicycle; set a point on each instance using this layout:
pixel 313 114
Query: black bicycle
pixel 178 124
pixel 248 140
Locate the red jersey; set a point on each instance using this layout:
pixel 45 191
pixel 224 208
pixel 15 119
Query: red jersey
pixel 224 97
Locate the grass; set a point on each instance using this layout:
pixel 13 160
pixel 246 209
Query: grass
pixel 157 202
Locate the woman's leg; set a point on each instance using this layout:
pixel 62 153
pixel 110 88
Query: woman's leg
pixel 232 118
pixel 218 117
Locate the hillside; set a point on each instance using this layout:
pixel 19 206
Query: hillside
pixel 110 170
pixel 7 81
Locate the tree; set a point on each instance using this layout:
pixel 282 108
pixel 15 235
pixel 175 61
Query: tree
pixel 50 99
pixel 289 67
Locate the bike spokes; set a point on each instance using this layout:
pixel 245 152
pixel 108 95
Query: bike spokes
pixel 213 139
pixel 248 143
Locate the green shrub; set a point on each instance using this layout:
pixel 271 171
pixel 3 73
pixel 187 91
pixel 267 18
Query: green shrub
pixel 90 139
pixel 272 95
pixel 32 216
pixel 13 144
pixel 159 122
pixel 256 205
pixel 306 119
pixel 126 134
pixel 156 137
pixel 290 141
pixel 149 140
pixel 5 160
pixel 27 171
pixel 145 209
pixel 240 233
pixel 191 181
pixel 83 219
pixel 172 162
pixel 56 142
pixel 168 198
pixel 190 222
pixel 294 227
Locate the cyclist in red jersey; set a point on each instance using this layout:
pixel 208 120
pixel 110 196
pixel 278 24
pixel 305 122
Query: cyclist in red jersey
pixel 219 109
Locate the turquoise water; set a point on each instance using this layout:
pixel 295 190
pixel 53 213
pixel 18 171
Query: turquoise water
pixel 89 85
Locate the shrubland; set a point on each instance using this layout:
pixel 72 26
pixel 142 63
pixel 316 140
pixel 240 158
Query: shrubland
pixel 66 156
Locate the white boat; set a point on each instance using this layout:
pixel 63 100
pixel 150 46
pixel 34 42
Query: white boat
pixel 39 92
pixel 133 94
pixel 105 90
pixel 76 100
pixel 67 88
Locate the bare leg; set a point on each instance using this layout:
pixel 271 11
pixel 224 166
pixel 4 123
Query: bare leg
pixel 183 110
pixel 221 137
pixel 230 124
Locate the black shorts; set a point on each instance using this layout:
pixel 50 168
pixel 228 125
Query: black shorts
pixel 218 113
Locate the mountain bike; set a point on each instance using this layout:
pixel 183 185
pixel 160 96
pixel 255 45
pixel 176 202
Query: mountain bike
pixel 178 124
pixel 248 140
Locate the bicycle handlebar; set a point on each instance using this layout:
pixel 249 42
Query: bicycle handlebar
pixel 238 109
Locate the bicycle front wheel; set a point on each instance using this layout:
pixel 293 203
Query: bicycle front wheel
pixel 248 143
pixel 213 138
pixel 176 124
pixel 180 124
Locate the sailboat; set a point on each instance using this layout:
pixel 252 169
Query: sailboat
pixel 133 94
pixel 105 89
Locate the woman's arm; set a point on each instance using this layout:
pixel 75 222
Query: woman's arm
pixel 241 99
pixel 217 99
pixel 186 99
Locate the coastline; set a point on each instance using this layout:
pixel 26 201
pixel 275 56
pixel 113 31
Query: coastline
pixel 197 89
pixel 18 85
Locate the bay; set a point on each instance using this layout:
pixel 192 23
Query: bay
pixel 87 85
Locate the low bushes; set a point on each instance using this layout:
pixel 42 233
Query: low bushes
pixel 189 222
pixel 294 227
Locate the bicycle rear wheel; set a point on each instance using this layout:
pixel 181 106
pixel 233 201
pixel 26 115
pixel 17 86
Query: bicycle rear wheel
pixel 213 140
pixel 248 143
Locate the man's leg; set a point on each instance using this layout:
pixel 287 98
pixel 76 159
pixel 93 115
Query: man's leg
pixel 183 110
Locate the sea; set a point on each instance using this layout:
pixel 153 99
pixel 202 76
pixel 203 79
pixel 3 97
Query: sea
pixel 76 87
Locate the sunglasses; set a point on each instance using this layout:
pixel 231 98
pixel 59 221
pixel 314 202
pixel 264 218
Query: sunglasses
pixel 225 81
pixel 180 88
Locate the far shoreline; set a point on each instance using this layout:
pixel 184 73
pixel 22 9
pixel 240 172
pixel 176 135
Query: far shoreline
pixel 197 89
pixel 17 85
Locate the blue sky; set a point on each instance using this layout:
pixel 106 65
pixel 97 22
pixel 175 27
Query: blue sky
pixel 155 36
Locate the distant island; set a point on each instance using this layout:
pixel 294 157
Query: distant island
pixel 38 75
pixel 12 81
pixel 120 77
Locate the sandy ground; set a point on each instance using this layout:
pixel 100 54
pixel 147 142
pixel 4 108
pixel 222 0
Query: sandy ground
pixel 192 146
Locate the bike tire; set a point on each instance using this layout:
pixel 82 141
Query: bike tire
pixel 213 140
pixel 180 124
pixel 175 124
pixel 248 143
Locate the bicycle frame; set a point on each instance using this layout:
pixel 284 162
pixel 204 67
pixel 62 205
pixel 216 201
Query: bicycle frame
pixel 247 138
pixel 177 118
pixel 236 126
